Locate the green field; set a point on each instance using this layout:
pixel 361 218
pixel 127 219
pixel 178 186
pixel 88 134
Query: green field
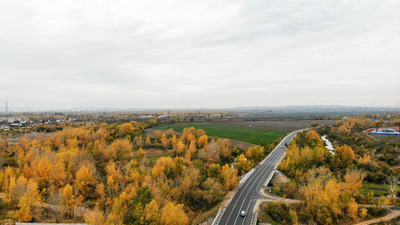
pixel 378 189
pixel 246 134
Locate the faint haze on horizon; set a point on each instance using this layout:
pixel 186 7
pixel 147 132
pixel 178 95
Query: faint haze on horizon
pixel 199 54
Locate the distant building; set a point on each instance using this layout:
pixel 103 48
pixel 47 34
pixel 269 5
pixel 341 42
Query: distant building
pixel 12 119
pixel 147 116
pixel 165 115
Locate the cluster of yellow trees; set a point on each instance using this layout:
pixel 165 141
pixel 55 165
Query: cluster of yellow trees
pixel 327 197
pixel 101 171
pixel 307 151
pixel 379 159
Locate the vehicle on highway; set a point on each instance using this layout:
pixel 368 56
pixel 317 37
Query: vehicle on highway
pixel 243 213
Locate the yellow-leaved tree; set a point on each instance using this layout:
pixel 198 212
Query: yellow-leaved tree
pixel 179 148
pixel 148 142
pixel 203 141
pixel 320 195
pixel 242 164
pixel 164 140
pixel 229 177
pixel 343 158
pixel 95 217
pixel 68 200
pixel 28 201
pixel 173 214
pixel 85 182
pixel 151 213
pixel 125 129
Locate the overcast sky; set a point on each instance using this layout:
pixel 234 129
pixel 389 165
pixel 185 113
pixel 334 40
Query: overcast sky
pixel 209 53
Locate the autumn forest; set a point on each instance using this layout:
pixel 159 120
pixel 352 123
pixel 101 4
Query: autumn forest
pixel 99 173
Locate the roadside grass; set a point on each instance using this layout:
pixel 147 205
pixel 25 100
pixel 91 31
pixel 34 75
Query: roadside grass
pixel 246 134
pixel 203 216
pixel 7 213
pixel 263 217
pixel 378 189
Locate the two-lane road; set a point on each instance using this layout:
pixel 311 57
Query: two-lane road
pixel 248 194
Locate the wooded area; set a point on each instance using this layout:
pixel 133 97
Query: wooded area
pixel 99 173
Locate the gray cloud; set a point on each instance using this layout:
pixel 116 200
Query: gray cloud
pixel 65 54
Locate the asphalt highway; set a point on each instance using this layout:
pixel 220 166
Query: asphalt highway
pixel 249 192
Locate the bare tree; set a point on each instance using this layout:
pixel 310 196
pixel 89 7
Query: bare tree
pixel 392 182
pixel 373 153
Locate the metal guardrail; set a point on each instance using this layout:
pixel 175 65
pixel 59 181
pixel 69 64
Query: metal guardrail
pixel 254 219
pixel 218 217
pixel 246 176
pixel 269 178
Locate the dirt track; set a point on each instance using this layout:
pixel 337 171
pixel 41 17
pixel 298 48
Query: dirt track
pixel 393 214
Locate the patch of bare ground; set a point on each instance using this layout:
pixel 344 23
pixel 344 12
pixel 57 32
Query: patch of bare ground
pixel 242 144
pixel 275 125
pixel 29 135
pixel 155 152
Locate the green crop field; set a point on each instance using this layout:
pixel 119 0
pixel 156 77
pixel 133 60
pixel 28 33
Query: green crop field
pixel 378 189
pixel 246 134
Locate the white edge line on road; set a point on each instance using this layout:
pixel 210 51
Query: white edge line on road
pixel 247 193
pixel 246 176
pixel 216 218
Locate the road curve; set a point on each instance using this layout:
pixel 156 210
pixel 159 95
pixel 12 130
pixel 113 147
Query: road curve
pixel 249 192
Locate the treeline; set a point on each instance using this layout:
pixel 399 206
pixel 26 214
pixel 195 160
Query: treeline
pixel 102 170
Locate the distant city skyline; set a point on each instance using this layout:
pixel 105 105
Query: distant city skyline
pixel 59 55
